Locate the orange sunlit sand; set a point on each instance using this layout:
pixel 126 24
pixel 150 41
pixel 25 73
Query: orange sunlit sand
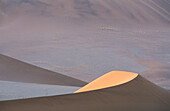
pixel 54 54
pixel 110 79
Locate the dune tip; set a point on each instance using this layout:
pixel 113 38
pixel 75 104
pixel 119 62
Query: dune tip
pixel 109 79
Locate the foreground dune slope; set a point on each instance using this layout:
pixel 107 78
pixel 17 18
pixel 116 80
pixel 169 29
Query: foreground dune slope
pixel 136 95
pixel 18 71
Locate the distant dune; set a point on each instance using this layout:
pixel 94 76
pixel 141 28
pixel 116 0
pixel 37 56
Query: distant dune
pixel 117 11
pixel 18 71
pixel 136 95
pixel 99 34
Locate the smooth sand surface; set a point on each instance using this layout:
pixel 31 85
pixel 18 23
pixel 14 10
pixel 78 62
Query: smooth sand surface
pixel 110 79
pixel 19 90
pixel 136 95
pixel 90 32
pixel 95 36
pixel 120 11
pixel 18 71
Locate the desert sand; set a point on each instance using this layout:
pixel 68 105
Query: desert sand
pixel 19 90
pixel 85 39
pixel 18 71
pixel 136 95
pixel 120 11
pixel 89 37
pixel 110 79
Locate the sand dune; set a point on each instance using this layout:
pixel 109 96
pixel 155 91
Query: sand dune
pixel 15 70
pixel 39 20
pixel 19 90
pixel 136 95
pixel 118 11
pixel 110 79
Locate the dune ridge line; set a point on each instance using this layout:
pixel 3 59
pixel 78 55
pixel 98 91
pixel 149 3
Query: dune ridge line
pixel 110 79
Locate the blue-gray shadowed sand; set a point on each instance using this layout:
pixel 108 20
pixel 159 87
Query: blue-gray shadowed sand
pixel 18 90
pixel 17 71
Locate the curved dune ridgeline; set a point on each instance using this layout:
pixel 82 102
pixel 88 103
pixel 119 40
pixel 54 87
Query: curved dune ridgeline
pixel 15 70
pixel 110 79
pixel 93 36
pixel 136 95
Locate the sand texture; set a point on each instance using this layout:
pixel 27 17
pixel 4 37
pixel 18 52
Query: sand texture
pixel 15 70
pixel 110 79
pixel 137 95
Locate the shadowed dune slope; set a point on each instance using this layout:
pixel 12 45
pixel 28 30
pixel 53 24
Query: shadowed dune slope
pixel 136 95
pixel 110 79
pixel 15 70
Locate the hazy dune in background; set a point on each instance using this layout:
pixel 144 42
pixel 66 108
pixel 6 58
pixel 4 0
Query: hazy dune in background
pixel 84 39
pixel 110 79
pixel 90 33
pixel 118 11
pixel 17 71
pixel 136 95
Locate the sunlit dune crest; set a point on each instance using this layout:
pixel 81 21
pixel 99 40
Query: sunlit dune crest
pixel 110 79
pixel 136 95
